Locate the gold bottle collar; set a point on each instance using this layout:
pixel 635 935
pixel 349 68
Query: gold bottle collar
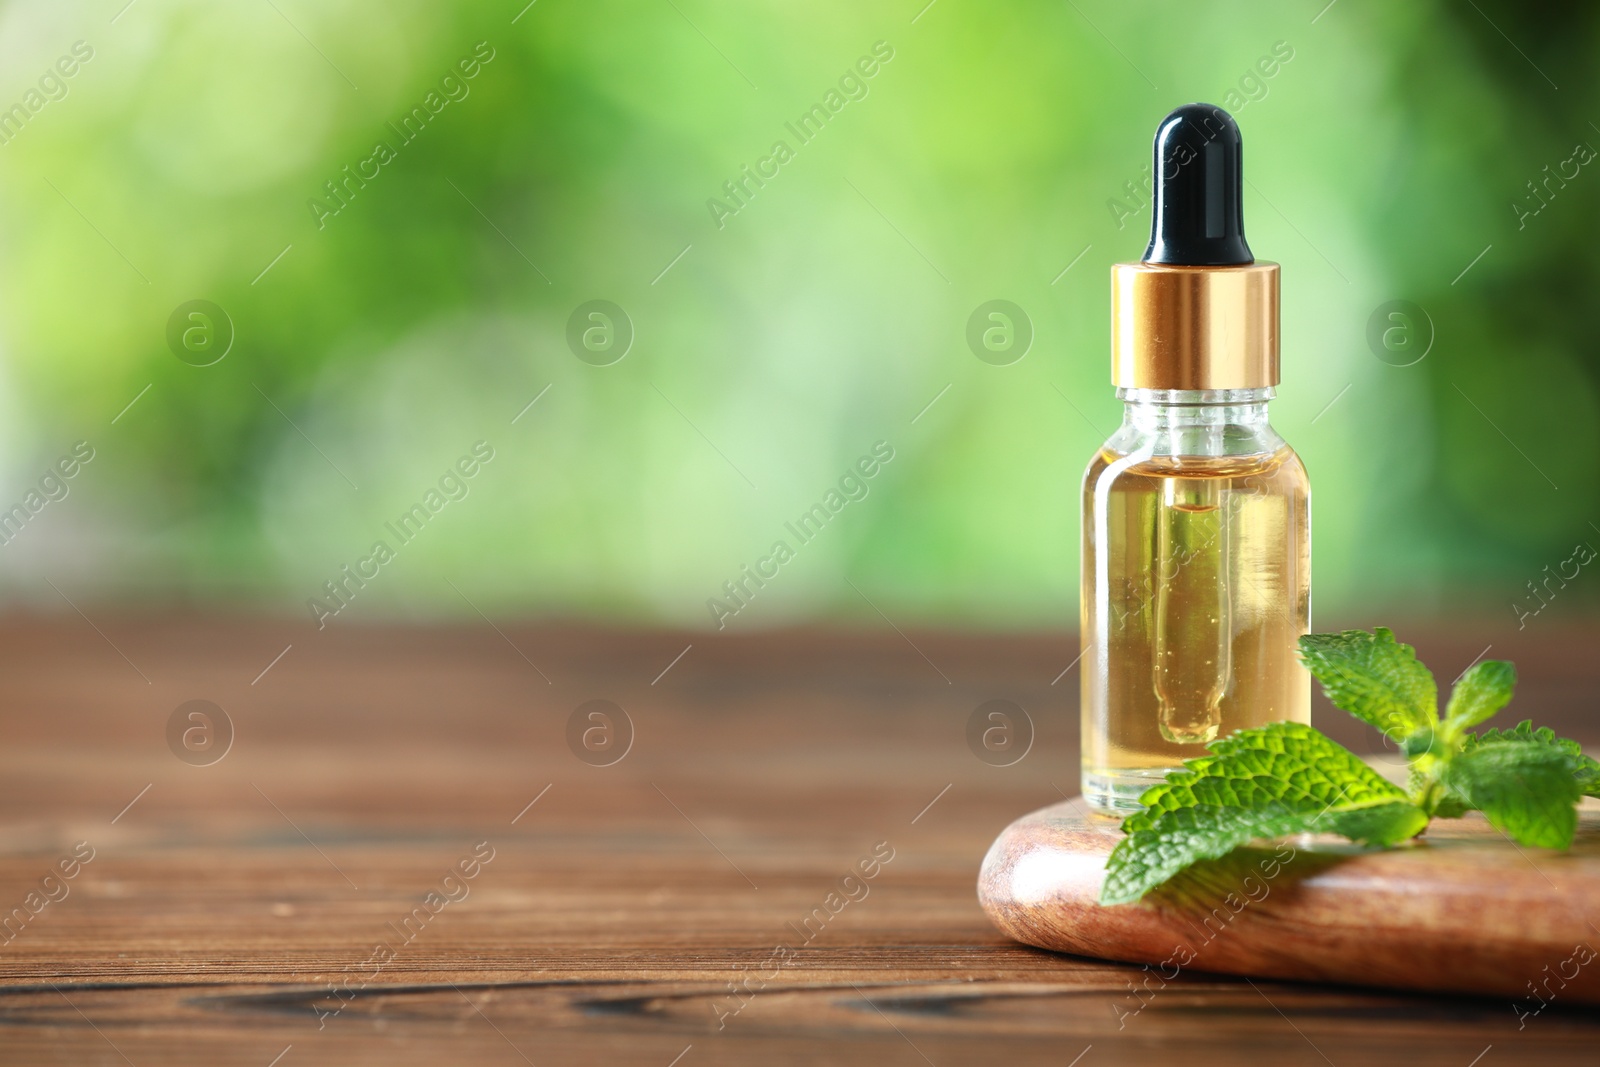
pixel 1194 327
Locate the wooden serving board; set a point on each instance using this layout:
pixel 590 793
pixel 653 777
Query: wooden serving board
pixel 1462 910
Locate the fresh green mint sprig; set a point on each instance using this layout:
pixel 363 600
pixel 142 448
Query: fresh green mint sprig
pixel 1287 778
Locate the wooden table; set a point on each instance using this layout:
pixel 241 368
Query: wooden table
pixel 222 902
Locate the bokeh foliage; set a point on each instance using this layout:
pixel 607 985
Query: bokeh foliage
pixel 822 317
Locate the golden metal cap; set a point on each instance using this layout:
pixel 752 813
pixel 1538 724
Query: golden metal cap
pixel 1176 327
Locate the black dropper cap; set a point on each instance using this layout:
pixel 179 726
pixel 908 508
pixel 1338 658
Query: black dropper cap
pixel 1198 219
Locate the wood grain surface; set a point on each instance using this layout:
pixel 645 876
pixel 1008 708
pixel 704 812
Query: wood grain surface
pixel 274 906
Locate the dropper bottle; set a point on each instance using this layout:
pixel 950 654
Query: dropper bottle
pixel 1196 514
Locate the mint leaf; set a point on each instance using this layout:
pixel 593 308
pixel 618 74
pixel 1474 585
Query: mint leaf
pixel 1524 732
pixel 1283 760
pixel 1374 678
pixel 1584 768
pixel 1377 824
pixel 1181 838
pixel 1481 692
pixel 1274 780
pixel 1287 778
pixel 1526 789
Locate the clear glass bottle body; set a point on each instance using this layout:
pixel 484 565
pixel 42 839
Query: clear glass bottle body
pixel 1196 585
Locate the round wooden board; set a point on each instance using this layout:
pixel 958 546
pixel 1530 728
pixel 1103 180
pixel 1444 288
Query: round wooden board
pixel 1462 910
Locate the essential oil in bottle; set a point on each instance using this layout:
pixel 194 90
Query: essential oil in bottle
pixel 1196 514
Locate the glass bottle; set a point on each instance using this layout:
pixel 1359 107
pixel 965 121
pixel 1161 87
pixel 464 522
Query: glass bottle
pixel 1196 578
pixel 1196 585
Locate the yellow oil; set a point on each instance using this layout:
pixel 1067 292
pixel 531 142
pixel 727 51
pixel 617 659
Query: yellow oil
pixel 1196 587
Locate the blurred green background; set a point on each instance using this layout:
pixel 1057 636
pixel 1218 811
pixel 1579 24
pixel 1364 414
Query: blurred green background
pixel 988 154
